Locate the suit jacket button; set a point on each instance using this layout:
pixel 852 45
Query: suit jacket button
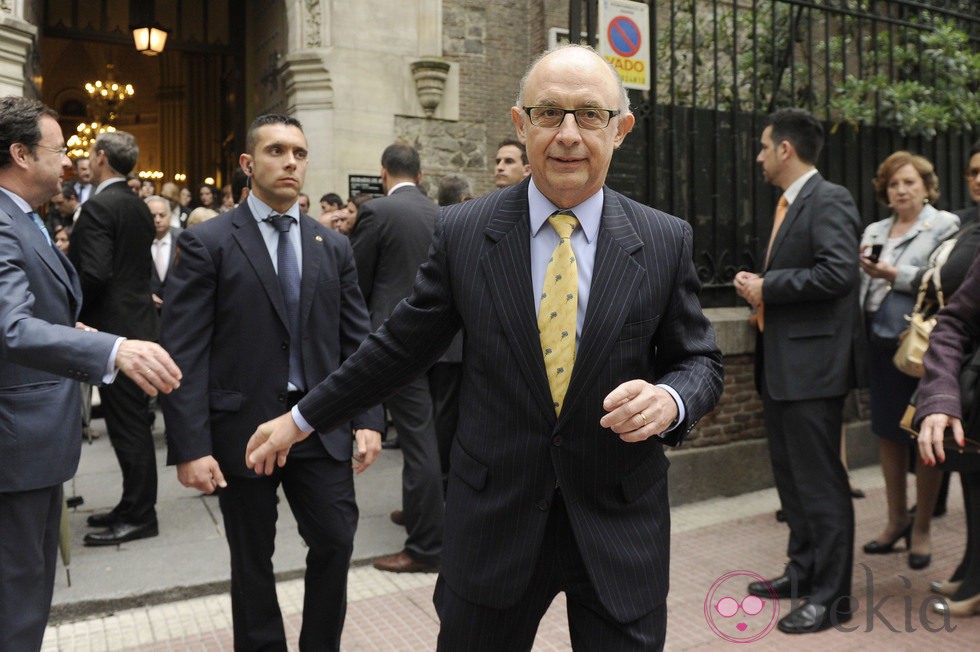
pixel 284 346
pixel 543 504
pixel 556 440
pixel 282 398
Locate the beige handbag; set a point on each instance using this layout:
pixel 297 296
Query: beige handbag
pixel 914 340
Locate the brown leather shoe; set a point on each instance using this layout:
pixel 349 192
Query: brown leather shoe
pixel 400 562
pixel 398 517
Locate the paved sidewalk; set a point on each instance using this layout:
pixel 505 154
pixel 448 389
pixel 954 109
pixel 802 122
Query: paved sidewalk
pixel 170 593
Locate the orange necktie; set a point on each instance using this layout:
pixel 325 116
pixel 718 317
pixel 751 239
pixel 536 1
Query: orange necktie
pixel 758 317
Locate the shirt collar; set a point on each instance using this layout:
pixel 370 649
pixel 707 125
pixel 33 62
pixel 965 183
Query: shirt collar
pixel 165 239
pixel 401 185
pixel 17 199
pixel 793 190
pixel 261 210
pixel 107 182
pixel 588 213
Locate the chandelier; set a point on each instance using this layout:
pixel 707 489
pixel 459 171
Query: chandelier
pixel 105 97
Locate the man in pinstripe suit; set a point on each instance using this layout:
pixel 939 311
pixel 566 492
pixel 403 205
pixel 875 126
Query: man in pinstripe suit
pixel 548 494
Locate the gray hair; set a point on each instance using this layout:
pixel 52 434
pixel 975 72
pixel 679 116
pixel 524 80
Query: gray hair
pixel 120 148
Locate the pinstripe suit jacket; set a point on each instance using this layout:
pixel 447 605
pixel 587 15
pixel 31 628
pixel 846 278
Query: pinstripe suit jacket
pixel 643 321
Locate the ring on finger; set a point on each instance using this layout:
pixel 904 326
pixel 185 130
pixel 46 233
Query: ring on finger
pixel 643 416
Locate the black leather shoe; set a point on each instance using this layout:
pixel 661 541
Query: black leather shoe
pixel 874 547
pixel 782 586
pixel 918 562
pixel 812 617
pixel 121 533
pixel 102 519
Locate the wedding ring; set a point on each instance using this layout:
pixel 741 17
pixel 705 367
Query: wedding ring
pixel 643 416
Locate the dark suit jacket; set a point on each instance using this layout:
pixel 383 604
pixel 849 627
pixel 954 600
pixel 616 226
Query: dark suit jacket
pixel 391 239
pixel 42 356
pixel 157 284
pixel 224 323
pixel 968 215
pixel 110 248
pixel 813 343
pixel 643 321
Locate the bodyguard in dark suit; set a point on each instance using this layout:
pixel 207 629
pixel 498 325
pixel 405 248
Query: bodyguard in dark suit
pixel 391 239
pixel 806 302
pixel 43 355
pixel 260 304
pixel 110 248
pixel 558 481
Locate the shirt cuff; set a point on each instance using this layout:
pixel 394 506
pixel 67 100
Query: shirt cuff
pixel 110 369
pixel 301 423
pixel 681 412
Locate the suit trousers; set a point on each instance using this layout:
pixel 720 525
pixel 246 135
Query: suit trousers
pixel 422 495
pixel 444 381
pixel 29 524
pixel 320 492
pixel 476 628
pixel 804 445
pixel 129 422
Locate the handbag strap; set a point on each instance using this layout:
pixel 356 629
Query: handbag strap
pixel 923 287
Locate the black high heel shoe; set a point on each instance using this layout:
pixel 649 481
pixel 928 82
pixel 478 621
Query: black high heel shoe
pixel 918 562
pixel 874 547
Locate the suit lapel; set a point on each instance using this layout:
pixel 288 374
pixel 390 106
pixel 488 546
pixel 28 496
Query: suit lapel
pixel 792 215
pixel 32 235
pixel 616 278
pixel 250 239
pixel 312 260
pixel 507 266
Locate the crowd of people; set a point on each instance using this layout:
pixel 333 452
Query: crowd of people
pixel 535 349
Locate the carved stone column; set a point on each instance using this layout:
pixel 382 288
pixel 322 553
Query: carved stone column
pixel 17 37
pixel 310 99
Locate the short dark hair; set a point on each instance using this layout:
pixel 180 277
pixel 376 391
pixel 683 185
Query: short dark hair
pixel 68 190
pixel 974 150
pixel 332 198
pixel 360 198
pixel 120 149
pixel 516 143
pixel 252 137
pixel 803 131
pixel 454 188
pixel 19 117
pixel 401 160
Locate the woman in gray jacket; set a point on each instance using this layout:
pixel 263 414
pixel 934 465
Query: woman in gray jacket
pixel 893 251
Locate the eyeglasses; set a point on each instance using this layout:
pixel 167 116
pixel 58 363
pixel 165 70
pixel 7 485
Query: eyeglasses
pixel 550 117
pixel 972 173
pixel 58 150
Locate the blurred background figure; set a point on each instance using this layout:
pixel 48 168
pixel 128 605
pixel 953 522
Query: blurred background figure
pixel 61 236
pixel 178 213
pixel 164 246
pixel 186 197
pixel 134 183
pixel 970 214
pixel 147 189
pixel 64 207
pixel 893 252
pixel 83 179
pixel 304 203
pixel 331 202
pixel 227 199
pixel 200 214
pixel 209 197
pixel 511 163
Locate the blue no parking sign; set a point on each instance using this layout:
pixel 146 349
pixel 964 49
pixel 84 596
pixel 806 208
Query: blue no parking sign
pixel 624 42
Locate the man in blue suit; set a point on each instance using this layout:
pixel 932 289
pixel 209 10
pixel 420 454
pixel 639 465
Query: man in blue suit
pixel 558 478
pixel 261 303
pixel 44 352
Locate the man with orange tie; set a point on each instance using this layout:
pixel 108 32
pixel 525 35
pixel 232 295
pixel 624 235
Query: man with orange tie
pixel 806 310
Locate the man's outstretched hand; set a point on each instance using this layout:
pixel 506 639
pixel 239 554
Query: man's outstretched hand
pixel 270 443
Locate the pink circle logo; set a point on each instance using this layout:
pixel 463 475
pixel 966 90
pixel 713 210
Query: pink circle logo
pixel 736 616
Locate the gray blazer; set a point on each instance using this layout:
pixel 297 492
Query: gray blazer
pixel 931 227
pixel 42 356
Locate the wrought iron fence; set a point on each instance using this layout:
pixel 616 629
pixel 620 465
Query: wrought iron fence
pixel 882 75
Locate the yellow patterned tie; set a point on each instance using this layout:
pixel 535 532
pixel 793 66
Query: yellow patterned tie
pixel 559 308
